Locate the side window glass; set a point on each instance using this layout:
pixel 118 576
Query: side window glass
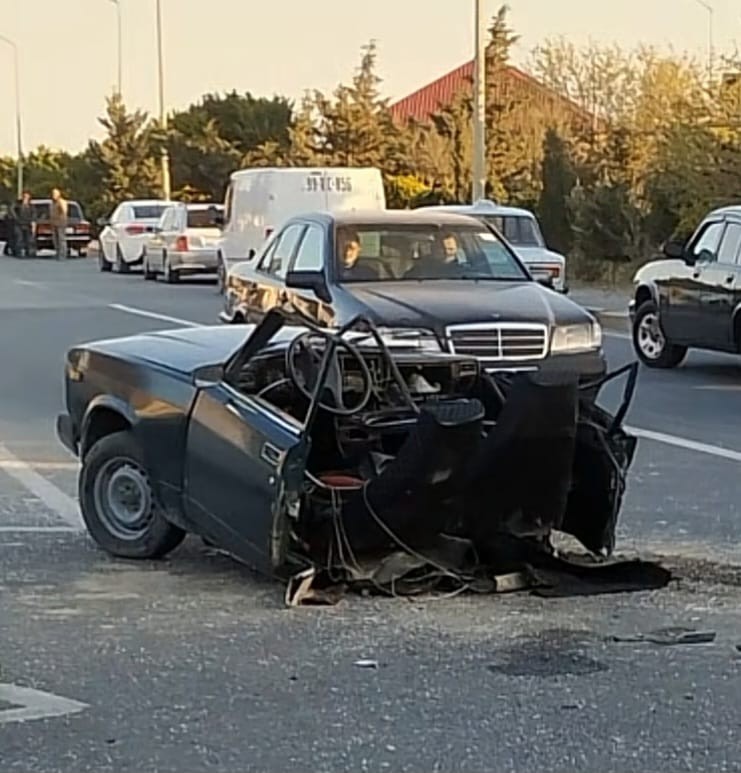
pixel 705 248
pixel 310 256
pixel 267 255
pixel 284 250
pixel 729 247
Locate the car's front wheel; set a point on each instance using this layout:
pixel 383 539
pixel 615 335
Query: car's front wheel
pixel 650 342
pixel 118 503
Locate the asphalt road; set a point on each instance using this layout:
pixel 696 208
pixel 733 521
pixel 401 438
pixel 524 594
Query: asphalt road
pixel 193 664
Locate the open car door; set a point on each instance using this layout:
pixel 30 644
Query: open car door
pixel 244 466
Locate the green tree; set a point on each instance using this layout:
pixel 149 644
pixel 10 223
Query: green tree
pixel 558 180
pixel 354 125
pixel 126 156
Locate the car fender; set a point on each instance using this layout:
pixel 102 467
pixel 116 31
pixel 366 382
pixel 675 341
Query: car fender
pixel 108 404
pixel 645 290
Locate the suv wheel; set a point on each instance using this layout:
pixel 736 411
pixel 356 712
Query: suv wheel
pixel 650 342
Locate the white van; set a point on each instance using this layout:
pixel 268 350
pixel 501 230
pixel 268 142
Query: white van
pixel 521 229
pixel 259 200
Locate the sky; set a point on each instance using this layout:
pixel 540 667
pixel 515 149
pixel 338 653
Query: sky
pixel 68 49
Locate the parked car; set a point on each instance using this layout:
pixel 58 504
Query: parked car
pixel 124 235
pixel 484 302
pixel 692 298
pixel 290 447
pixel 78 227
pixel 7 228
pixel 259 200
pixel 521 229
pixel 184 242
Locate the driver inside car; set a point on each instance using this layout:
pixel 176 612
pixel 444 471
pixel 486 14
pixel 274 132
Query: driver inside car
pixel 352 269
pixel 441 263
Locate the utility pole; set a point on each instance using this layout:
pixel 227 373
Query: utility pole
pixel 479 106
pixel 163 115
pixel 711 45
pixel 117 3
pixel 19 136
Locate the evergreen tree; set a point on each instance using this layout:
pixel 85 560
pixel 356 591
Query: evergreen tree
pixel 558 181
pixel 126 155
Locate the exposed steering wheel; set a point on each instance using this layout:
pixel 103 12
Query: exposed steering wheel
pixel 304 358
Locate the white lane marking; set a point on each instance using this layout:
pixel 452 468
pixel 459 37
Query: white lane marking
pixel 686 443
pixel 38 530
pixel 52 496
pixel 8 464
pixel 35 704
pixel 152 315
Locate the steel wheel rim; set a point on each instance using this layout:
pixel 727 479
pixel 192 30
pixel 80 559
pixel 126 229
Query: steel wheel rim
pixel 123 498
pixel 650 337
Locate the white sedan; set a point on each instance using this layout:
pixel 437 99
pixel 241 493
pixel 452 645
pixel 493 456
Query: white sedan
pixel 185 241
pixel 126 232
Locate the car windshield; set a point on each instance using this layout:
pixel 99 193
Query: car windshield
pixel 519 230
pixel 204 218
pixel 377 253
pixel 148 211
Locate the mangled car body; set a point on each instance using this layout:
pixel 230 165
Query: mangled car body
pixel 299 449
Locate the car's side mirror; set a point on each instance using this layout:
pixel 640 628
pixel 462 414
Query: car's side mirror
pixel 546 281
pixel 251 254
pixel 309 280
pixel 674 250
pixel 103 222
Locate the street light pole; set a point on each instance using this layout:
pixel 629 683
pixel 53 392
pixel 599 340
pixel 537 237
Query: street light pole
pixel 19 135
pixel 163 116
pixel 117 3
pixel 479 106
pixel 711 46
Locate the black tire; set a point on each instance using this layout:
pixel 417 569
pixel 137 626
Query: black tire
pixel 122 267
pixel 171 277
pixel 149 275
pixel 654 349
pixel 221 277
pixel 82 253
pixel 103 264
pixel 156 536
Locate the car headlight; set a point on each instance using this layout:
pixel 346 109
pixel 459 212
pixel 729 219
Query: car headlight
pixel 410 338
pixel 572 339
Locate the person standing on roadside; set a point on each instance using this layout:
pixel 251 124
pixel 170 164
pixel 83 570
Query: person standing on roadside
pixel 59 223
pixel 25 217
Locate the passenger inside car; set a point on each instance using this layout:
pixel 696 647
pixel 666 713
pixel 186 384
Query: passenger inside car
pixel 441 262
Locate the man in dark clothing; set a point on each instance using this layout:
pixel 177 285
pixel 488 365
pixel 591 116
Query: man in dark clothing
pixel 25 219
pixel 441 264
pixel 351 270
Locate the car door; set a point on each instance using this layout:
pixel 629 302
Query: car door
pixel 311 255
pixel 270 274
pixel 156 243
pixel 239 453
pixel 108 235
pixel 680 292
pixel 171 232
pixel 719 278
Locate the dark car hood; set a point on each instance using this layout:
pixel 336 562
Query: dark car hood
pixel 183 350
pixel 438 303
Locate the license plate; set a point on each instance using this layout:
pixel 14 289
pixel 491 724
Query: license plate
pixel 70 229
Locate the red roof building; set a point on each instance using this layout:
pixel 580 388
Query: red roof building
pixel 424 102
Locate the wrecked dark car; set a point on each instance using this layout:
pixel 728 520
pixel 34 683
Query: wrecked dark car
pixel 337 458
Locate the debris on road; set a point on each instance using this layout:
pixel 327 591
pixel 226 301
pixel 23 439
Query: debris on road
pixel 668 637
